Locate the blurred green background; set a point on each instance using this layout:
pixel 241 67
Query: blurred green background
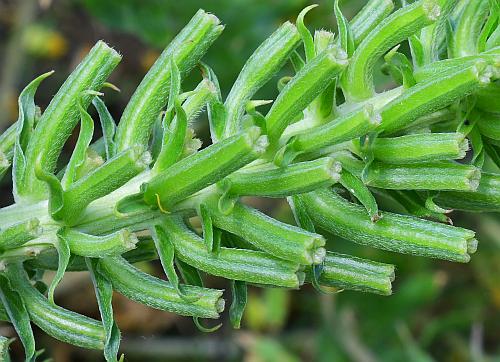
pixel 439 311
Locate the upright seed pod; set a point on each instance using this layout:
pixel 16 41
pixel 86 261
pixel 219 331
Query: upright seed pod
pixel 266 61
pixel 358 80
pixel 186 49
pixel 60 117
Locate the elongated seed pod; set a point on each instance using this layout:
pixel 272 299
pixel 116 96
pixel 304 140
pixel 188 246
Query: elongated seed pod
pixel 430 96
pixel 485 198
pixel 452 65
pixel 98 246
pixel 276 238
pixel 415 148
pixel 358 80
pixel 238 264
pixel 347 127
pixel 264 63
pixel 294 179
pixel 425 176
pixel 62 324
pixel 68 205
pixel 352 273
pixel 370 15
pixel 204 168
pixel 18 234
pixel 186 50
pixel 60 117
pixel 393 232
pixel 157 293
pixel 304 87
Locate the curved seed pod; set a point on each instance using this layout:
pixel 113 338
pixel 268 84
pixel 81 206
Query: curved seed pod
pixel 60 117
pixel 186 50
pixel 158 294
pixel 238 264
pixel 416 148
pixel 358 79
pixel 280 182
pixel 468 28
pixel 370 15
pixel 393 232
pixel 17 314
pixel 16 235
pixel 347 127
pixel 304 87
pixel 426 176
pixel 431 96
pixel 98 246
pixel 68 205
pixel 62 324
pixel 276 238
pixel 485 198
pixel 352 273
pixel 198 171
pixel 264 63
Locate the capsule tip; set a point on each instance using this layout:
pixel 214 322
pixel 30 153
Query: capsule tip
pixel 474 179
pixel 472 245
pixel 220 305
pixel 432 9
pixel 319 255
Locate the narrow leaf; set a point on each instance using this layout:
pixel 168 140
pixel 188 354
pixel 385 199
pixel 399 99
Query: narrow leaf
pixel 104 294
pixel 237 308
pixel 108 126
pixel 63 253
pixel 305 34
pixel 18 316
